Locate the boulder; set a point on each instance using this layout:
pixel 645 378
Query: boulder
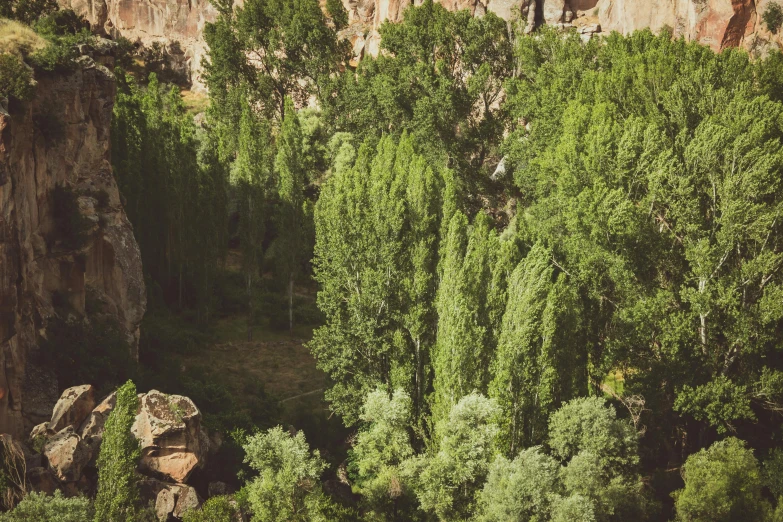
pixel 168 428
pixel 187 499
pixel 66 455
pixel 165 503
pixel 74 406
pixel 42 479
pixel 91 430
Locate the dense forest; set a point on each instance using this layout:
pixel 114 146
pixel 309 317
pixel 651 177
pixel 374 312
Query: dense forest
pixel 547 270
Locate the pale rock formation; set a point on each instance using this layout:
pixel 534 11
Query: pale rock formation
pixel 34 266
pixel 66 455
pixel 169 430
pixel 74 406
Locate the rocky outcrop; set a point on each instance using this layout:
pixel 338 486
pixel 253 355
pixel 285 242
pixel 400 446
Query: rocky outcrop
pixel 168 428
pixel 60 138
pixel 176 25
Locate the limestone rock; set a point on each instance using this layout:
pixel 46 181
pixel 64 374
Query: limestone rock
pixel 165 503
pixel 168 428
pixel 66 455
pixel 35 269
pixel 74 406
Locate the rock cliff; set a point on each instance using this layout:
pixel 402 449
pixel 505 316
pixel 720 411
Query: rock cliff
pixel 59 141
pixel 176 25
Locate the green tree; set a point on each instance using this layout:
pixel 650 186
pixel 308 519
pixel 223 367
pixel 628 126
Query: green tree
pixel 288 485
pixel 381 448
pixel 118 494
pixel 370 259
pixel 338 13
pixel 41 507
pixel 291 182
pixel 522 489
pixel 722 483
pixel 448 481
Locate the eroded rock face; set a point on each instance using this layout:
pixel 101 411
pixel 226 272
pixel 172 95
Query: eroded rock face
pixel 175 24
pixel 74 406
pixel 60 137
pixel 169 430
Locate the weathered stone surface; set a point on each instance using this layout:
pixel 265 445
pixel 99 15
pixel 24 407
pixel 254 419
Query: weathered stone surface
pixel 165 503
pixel 74 406
pixel 33 267
pixel 187 499
pixel 42 479
pixel 66 455
pixel 169 430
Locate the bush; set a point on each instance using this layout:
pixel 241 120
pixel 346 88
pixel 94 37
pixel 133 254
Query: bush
pixel 60 55
pixel 16 80
pixel 40 507
pixel 773 17
pixel 338 13
pixel 60 23
pixel 27 11
pixel 216 509
pixel 722 483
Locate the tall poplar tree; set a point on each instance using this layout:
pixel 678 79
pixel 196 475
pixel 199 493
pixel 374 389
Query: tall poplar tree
pixel 291 181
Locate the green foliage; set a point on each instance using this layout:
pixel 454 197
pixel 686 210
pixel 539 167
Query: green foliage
pixel 722 483
pixel 291 219
pixel 439 78
pixel 175 190
pixel 719 402
pixel 59 23
pixel 287 487
pixel 772 473
pixel 375 228
pixel 16 80
pixel 448 482
pixel 40 507
pixel 216 509
pixel 773 17
pixel 338 13
pixel 61 53
pixel 379 452
pixel 521 490
pixel 27 11
pixel 117 499
pixel 265 48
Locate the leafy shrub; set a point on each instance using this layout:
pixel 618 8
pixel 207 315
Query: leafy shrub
pixel 773 17
pixel 60 23
pixel 27 11
pixel 338 13
pixel 15 78
pixel 70 226
pixel 722 483
pixel 41 507
pixel 60 54
pixel 216 509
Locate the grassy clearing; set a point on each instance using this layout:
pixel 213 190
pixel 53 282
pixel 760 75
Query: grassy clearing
pixel 195 102
pixel 614 381
pixel 19 39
